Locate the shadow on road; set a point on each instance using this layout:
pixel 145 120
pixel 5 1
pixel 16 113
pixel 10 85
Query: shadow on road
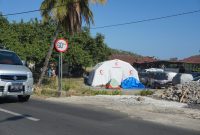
pixel 8 99
pixel 14 118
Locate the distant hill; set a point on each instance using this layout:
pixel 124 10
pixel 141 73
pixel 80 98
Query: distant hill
pixel 130 57
pixel 122 52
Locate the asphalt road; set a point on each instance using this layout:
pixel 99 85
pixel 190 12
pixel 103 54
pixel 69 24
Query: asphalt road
pixel 38 117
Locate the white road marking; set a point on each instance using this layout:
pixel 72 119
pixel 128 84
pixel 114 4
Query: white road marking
pixel 20 115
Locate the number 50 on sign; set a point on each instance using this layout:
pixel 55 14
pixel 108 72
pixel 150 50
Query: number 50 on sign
pixel 61 45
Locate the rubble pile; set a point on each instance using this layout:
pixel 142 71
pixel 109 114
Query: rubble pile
pixel 186 93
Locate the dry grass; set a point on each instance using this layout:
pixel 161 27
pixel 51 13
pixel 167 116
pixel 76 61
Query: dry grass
pixel 70 87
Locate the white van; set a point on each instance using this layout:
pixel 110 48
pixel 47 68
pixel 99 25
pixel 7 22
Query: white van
pixel 15 78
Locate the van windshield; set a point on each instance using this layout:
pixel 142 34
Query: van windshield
pixel 9 58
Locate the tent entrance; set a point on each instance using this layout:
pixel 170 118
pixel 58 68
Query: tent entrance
pixel 116 73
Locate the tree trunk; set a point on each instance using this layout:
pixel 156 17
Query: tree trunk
pixel 48 57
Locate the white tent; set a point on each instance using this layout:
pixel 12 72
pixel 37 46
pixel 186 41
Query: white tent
pixel 113 69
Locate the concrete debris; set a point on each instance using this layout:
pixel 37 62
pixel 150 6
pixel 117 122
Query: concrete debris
pixel 186 93
pixel 140 99
pixel 198 101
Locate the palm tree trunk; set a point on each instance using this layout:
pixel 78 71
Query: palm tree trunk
pixel 48 57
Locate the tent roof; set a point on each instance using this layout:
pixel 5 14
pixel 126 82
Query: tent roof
pixel 108 61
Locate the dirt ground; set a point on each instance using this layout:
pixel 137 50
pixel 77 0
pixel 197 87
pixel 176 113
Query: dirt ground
pixel 145 108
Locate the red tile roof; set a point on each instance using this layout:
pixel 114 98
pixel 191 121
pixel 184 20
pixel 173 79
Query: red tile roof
pixel 193 59
pixel 131 59
pixel 146 60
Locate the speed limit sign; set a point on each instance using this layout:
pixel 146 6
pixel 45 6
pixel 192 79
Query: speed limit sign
pixel 61 45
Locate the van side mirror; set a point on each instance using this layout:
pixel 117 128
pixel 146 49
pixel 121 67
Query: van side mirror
pixel 24 63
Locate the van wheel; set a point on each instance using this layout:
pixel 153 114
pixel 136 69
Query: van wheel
pixel 23 98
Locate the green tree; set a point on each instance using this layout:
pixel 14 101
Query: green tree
pixel 86 51
pixel 68 15
pixel 31 40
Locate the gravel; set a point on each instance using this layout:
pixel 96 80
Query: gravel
pixel 187 93
pixel 140 107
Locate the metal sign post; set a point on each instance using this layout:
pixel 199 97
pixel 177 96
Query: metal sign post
pixel 61 61
pixel 61 46
pixel 59 75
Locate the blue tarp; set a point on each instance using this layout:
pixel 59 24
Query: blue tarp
pixel 132 83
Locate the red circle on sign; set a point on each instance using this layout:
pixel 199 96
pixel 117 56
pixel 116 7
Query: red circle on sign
pixel 58 44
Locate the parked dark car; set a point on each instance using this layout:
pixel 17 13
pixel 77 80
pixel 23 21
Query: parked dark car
pixel 143 76
pixel 157 79
pixel 197 79
pixel 195 74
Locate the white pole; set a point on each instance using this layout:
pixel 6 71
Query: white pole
pixel 61 72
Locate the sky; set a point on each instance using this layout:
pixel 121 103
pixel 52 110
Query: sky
pixel 163 39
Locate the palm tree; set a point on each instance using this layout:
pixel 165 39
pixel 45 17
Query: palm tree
pixel 68 15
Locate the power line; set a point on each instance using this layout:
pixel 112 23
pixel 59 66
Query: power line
pixel 30 11
pixel 113 25
pixel 147 20
pixel 19 13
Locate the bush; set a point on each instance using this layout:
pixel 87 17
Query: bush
pixel 101 92
pixel 146 92
pixel 46 81
pixel 116 92
pixel 106 92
